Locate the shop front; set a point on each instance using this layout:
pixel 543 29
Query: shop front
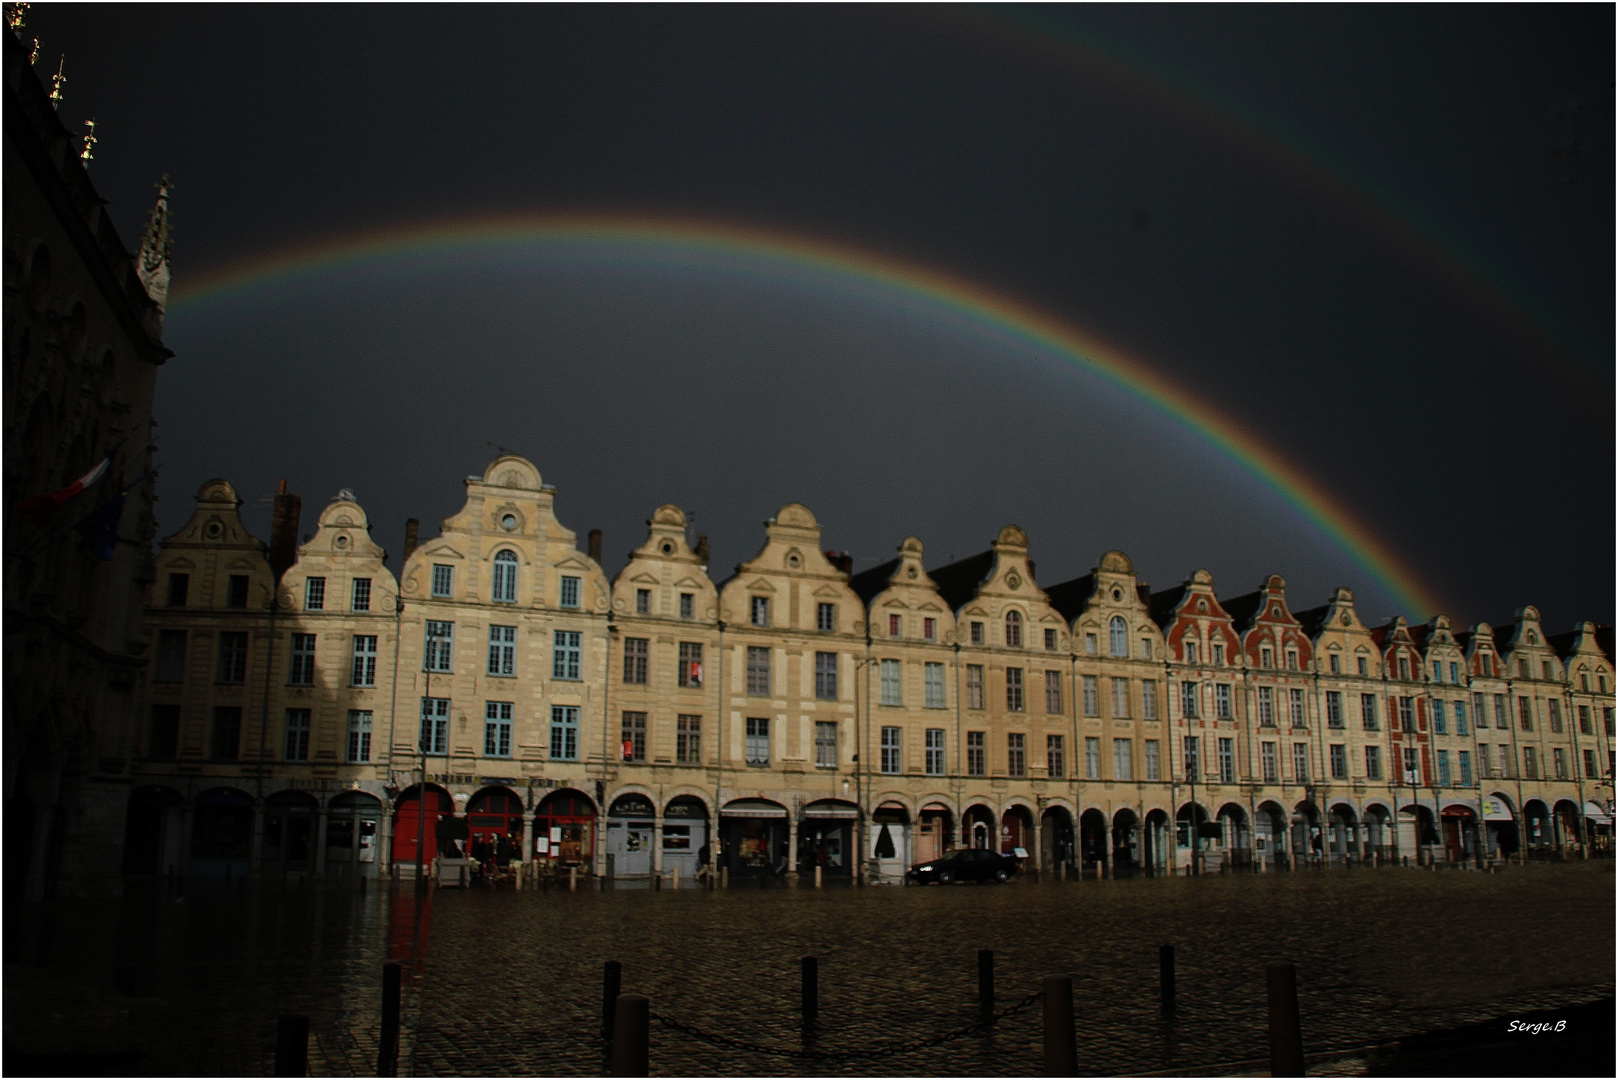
pixel 494 826
pixel 826 837
pixel 153 826
pixel 1459 832
pixel 1500 825
pixel 630 830
pixel 564 829
pixel 289 832
pixel 890 842
pixel 1598 826
pixel 222 832
pixel 685 836
pixel 352 821
pixel 935 835
pixel 754 837
pixel 415 825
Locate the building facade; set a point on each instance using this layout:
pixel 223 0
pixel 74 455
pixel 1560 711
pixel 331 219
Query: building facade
pixel 796 717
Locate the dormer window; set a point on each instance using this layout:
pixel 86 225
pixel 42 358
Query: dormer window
pixel 1336 664
pixel 1532 639
pixel 977 633
pixel 1362 665
pixel 1292 659
pixel 1219 655
pixel 570 591
pixel 443 580
pixel 1050 640
pixel 929 629
pixel 1145 648
pixel 1404 667
pixel 688 605
pixel 1266 658
pixel 895 625
pixel 1189 649
pixel 761 611
pixel 505 577
pixel 1118 631
pixel 643 601
pixel 1522 668
pixel 1546 666
pixel 1584 682
pixel 179 587
pixel 314 594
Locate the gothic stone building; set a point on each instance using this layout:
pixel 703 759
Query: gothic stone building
pixel 795 716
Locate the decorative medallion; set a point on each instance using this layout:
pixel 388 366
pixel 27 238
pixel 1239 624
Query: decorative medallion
pixel 1013 581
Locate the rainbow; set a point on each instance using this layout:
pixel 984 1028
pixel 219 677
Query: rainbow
pixel 895 279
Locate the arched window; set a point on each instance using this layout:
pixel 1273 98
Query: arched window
pixel 1120 636
pixel 1013 628
pixel 505 577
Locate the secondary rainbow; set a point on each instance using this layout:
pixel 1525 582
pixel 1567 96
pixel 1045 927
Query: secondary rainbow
pixel 964 299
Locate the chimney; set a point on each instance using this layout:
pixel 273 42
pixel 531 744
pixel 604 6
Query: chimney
pixel 595 545
pixel 412 527
pixel 701 550
pixel 842 560
pixel 284 530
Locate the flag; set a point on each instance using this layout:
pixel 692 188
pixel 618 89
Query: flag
pixel 99 528
pixel 41 507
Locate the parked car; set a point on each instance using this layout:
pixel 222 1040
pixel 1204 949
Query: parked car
pixel 969 864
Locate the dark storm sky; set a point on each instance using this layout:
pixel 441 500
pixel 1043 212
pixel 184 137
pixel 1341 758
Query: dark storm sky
pixel 1079 159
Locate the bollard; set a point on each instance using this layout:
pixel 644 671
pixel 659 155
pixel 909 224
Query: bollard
pixel 387 1054
pixel 811 990
pixel 1165 975
pixel 724 877
pixel 630 1056
pixel 1286 1039
pixel 611 983
pixel 1061 1046
pixel 657 882
pixel 674 882
pixel 817 875
pixel 573 879
pixel 985 979
pixel 292 1046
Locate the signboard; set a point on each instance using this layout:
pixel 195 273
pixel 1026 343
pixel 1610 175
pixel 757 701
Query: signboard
pixel 556 834
pixel 1495 810
pixel 542 845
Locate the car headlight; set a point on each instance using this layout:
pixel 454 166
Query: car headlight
pixel 924 869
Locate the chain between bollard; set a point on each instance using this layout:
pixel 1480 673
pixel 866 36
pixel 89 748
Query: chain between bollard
pixel 845 1055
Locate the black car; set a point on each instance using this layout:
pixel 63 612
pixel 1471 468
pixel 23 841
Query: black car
pixel 974 864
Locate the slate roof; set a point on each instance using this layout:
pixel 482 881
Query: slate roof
pixel 868 583
pixel 1313 620
pixel 1244 609
pixel 959 581
pixel 1070 596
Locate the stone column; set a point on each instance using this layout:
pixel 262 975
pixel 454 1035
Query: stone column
pixel 255 863
pixel 526 856
pixel 657 844
pixel 320 839
pixel 384 843
pixel 1039 847
pixel 187 818
pixel 792 843
pixel 911 832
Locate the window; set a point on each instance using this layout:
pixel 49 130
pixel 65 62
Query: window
pixel 364 673
pixel 643 601
pixel 1373 763
pixel 1055 760
pixel 1547 670
pixel 170 657
pixel 826 618
pixel 892 683
pixel 1092 696
pixel 1295 698
pixel 1464 760
pixel 1360 665
pixel 895 625
pixel 1404 668
pixel 163 740
pixel 1559 762
pixel 635 660
pixel 1123 759
pixel 564 732
pixel 1266 758
pixel 438 646
pixel 977 633
pixel 935 751
pixel 434 725
pixel 566 650
pixel 360 596
pixel 690 673
pixel 760 610
pixel 1145 648
pixel 1266 658
pixel 1502 719
pixel 359 735
pixel 933 685
pixel 974 686
pixel 1013 629
pixel 1189 649
pixel 1438 672
pixel 634 736
pixel 1227 761
pixel 1292 659
pixel 929 629
pixel 443 580
pixel 1508 764
pixel 1412 776
pixel 233 656
pixel 826 744
pixel 1154 766
pixel 1407 714
pixel 974 754
pixel 1585 727
pixel 1336 664
pixel 1090 644
pixel 1222 705
pixel 1440 725
pixel 1148 698
pixel 1092 757
pixel 1339 761
pixel 758 740
pixel 1454 672
pixel 503 650
pixel 1368 718
pixel 1219 656
pixel 1016 760
pixel 1119 635
pixel 890 750
pixel 1443 768
pixel 1120 699
pixel 1606 719
pixel 1014 689
pixel 1525 713
pixel 1191 747
pixel 758 670
pixel 1522 668
pixel 238 591
pixel 505 577
pixel 1334 708
pixel 1590 765
pixel 826 676
pixel 688 605
pixel 688 740
pixel 570 591
pixel 1053 692
pixel 227 732
pixel 179 587
pixel 1460 718
pixel 1050 640
pixel 297 743
pixel 1553 712
pixel 1266 706
pixel 1188 700
pixel 497 729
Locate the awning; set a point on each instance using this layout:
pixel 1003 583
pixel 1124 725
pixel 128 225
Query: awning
pixel 753 808
pixel 1495 810
pixel 830 812
pixel 1594 812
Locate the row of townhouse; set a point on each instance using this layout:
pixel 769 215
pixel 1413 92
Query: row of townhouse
pixel 797 715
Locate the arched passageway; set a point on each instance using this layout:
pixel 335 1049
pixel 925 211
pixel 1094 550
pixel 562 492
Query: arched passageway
pixel 1234 841
pixel 352 824
pixel 1093 841
pixel 222 834
pixel 979 827
pixel 1157 846
pixel 890 841
pixel 1016 831
pixel 152 832
pixel 1270 834
pixel 564 829
pixel 1055 838
pixel 936 833
pixel 1537 821
pixel 289 832
pixel 1342 834
pixel 1500 834
pixel 415 826
pixel 1458 827
pixel 1127 856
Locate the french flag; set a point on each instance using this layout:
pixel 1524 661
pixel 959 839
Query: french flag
pixel 41 507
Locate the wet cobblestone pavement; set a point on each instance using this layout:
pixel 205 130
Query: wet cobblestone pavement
pixel 510 983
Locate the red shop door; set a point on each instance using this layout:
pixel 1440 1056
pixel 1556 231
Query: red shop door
pixel 406 822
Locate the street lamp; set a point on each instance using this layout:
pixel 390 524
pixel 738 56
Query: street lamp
pixel 434 637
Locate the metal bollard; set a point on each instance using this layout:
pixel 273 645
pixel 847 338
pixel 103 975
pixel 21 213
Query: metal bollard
pixel 292 1046
pixel 611 982
pixel 1061 1045
pixel 387 1054
pixel 811 990
pixel 1286 1038
pixel 1165 975
pixel 630 1054
pixel 985 978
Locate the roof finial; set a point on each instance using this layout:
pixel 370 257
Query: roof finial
pixel 16 16
pixel 152 263
pixel 86 154
pixel 33 52
pixel 57 82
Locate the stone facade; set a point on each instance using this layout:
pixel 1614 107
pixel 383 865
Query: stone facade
pixel 795 714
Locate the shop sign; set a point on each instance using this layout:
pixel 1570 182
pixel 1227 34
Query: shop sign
pixel 1495 810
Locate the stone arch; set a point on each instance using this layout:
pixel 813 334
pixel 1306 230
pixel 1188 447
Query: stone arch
pixel 222 832
pixel 1056 836
pixel 152 832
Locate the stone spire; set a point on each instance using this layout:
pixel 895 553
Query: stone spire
pixel 153 261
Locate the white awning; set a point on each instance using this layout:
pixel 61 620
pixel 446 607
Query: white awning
pixel 830 812
pixel 1594 812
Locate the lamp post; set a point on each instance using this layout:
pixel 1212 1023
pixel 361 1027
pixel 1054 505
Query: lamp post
pixel 433 638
